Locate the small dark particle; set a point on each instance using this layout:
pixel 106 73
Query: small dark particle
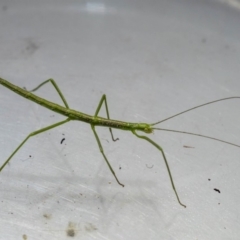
pixel 187 146
pixel 149 167
pixel 217 190
pixel 30 156
pixel 62 140
pixel 70 233
pixel 120 168
pixel 47 216
pixel 24 236
pixel 209 179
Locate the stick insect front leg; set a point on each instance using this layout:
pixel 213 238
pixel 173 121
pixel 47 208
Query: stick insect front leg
pixel 165 160
pixel 31 135
pixel 104 99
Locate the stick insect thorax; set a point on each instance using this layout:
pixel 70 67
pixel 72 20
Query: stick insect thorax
pixel 95 121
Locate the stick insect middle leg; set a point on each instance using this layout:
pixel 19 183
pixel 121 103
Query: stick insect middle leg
pixel 104 99
pixel 102 152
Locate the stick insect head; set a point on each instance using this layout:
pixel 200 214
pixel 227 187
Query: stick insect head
pixel 144 127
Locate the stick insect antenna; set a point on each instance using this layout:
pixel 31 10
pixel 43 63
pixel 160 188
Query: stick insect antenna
pixel 198 135
pixel 190 109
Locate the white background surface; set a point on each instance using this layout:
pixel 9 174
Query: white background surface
pixel 152 59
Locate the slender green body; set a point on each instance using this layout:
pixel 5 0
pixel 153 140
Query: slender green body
pixel 76 115
pixel 95 120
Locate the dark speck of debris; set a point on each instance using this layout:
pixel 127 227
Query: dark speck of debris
pixel 47 216
pixel 150 166
pixel 217 190
pixel 62 140
pixel 209 179
pixel 70 232
pixel 31 47
pixel 24 236
pixel 188 146
pixel 120 168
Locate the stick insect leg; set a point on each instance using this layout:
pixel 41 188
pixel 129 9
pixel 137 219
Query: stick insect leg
pixel 104 99
pixel 165 160
pixel 31 135
pixel 102 152
pixel 55 86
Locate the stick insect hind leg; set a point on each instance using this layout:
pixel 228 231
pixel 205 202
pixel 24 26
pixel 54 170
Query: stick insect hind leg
pixel 55 86
pixel 165 160
pixel 104 99
pixel 43 129
pixel 31 135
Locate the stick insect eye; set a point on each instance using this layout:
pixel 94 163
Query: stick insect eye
pixel 148 130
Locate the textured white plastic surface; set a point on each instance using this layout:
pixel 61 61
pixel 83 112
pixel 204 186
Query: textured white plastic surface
pixel 152 59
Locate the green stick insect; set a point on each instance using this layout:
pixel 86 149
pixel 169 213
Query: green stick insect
pixel 99 121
